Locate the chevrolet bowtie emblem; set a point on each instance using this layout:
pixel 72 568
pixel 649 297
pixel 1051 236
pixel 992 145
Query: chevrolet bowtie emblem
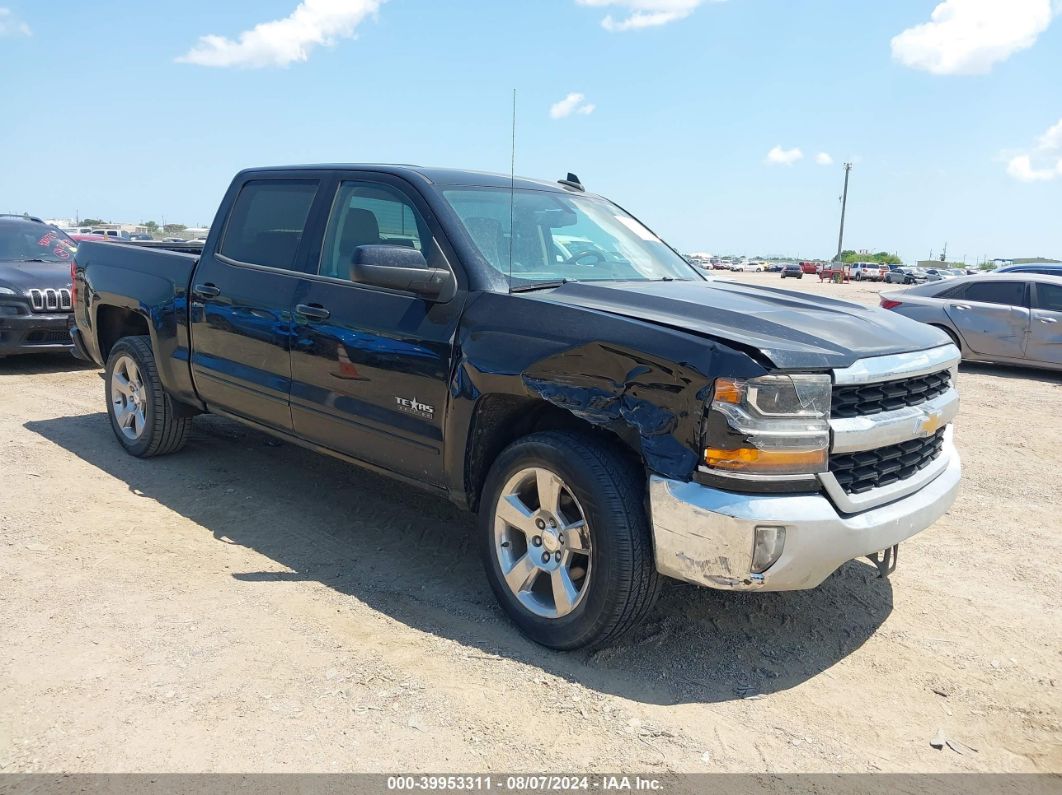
pixel 931 423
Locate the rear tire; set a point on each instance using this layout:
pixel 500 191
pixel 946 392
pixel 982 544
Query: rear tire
pixel 612 583
pixel 143 417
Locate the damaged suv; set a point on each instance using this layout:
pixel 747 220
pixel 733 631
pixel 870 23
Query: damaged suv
pixel 537 355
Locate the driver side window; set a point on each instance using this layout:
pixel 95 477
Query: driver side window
pixel 369 214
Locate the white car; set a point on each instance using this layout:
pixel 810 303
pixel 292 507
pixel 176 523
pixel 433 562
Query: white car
pixel 868 271
pixel 117 234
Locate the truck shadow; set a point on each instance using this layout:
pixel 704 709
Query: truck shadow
pixel 413 557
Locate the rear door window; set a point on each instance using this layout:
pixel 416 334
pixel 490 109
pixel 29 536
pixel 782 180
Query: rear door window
pixel 267 222
pixel 993 292
pixel 1049 297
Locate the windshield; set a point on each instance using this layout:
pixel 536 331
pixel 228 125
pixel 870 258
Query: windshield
pixel 559 237
pixel 29 241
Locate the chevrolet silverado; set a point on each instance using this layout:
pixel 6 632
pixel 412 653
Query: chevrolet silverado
pixel 611 414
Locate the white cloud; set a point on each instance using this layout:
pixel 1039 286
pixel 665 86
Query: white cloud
pixel 284 41
pixel 1044 162
pixel 824 159
pixel 644 13
pixel 10 25
pixel 784 157
pixel 966 37
pixel 573 103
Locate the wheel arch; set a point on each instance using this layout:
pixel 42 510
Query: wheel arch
pixel 115 322
pixel 498 420
pixel 952 334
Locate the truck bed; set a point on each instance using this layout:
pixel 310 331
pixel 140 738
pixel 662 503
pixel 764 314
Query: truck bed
pixel 173 266
pixel 118 283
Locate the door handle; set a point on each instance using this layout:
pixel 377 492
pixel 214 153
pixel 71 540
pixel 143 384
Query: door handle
pixel 1048 320
pixel 313 311
pixel 960 306
pixel 206 291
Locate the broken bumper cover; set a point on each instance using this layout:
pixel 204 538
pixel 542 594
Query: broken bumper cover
pixel 705 536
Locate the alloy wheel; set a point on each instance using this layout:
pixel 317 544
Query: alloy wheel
pixel 542 543
pixel 128 398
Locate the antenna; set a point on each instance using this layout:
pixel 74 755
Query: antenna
pixel 512 195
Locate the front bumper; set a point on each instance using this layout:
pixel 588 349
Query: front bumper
pixel 34 333
pixel 705 536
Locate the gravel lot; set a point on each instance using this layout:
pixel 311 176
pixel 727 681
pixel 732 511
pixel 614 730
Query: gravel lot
pixel 249 606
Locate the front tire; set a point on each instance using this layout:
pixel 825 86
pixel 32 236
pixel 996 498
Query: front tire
pixel 143 417
pixel 565 539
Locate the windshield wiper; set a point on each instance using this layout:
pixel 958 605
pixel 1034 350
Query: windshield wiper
pixel 526 288
pixel 38 259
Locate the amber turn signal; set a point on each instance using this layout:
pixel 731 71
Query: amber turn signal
pixel 729 390
pixel 766 462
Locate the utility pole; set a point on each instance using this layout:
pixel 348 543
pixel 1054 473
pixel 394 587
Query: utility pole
pixel 844 206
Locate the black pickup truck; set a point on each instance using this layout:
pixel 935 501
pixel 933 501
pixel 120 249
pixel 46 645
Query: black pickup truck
pixel 537 355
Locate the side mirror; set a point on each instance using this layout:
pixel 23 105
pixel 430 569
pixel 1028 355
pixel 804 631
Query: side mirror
pixel 401 268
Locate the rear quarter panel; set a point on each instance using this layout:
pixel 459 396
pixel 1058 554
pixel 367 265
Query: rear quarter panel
pixel 150 283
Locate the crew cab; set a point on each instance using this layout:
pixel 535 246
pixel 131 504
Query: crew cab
pixel 611 414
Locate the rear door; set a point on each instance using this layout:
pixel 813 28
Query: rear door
pixel 371 366
pixel 241 300
pixel 992 316
pixel 1045 331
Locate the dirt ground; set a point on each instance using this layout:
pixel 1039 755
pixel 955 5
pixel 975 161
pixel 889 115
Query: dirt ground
pixel 248 606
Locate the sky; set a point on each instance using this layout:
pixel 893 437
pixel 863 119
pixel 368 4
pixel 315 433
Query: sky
pixel 722 124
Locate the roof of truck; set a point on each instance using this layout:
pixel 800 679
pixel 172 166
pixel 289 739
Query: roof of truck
pixel 436 176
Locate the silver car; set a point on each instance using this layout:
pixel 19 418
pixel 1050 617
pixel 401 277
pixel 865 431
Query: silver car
pixel 1006 318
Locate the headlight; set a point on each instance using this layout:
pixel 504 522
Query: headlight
pixel 772 425
pixel 7 291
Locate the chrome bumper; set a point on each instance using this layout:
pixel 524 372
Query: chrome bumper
pixel 705 536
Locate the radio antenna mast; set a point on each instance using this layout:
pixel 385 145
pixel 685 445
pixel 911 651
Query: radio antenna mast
pixel 512 195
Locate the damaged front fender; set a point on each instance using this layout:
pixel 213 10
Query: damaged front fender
pixel 645 383
pixel 625 392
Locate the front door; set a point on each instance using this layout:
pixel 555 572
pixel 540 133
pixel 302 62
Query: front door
pixel 371 366
pixel 241 299
pixel 1045 331
pixel 992 317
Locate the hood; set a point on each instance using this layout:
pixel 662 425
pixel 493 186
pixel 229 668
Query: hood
pixel 792 330
pixel 23 276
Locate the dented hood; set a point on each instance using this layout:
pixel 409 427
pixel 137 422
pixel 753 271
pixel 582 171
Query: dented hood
pixel 792 330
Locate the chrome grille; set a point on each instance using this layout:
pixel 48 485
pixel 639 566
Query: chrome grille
pixel 49 300
pixel 870 469
pixel 864 399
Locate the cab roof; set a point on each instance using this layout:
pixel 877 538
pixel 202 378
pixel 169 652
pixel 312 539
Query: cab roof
pixel 441 177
